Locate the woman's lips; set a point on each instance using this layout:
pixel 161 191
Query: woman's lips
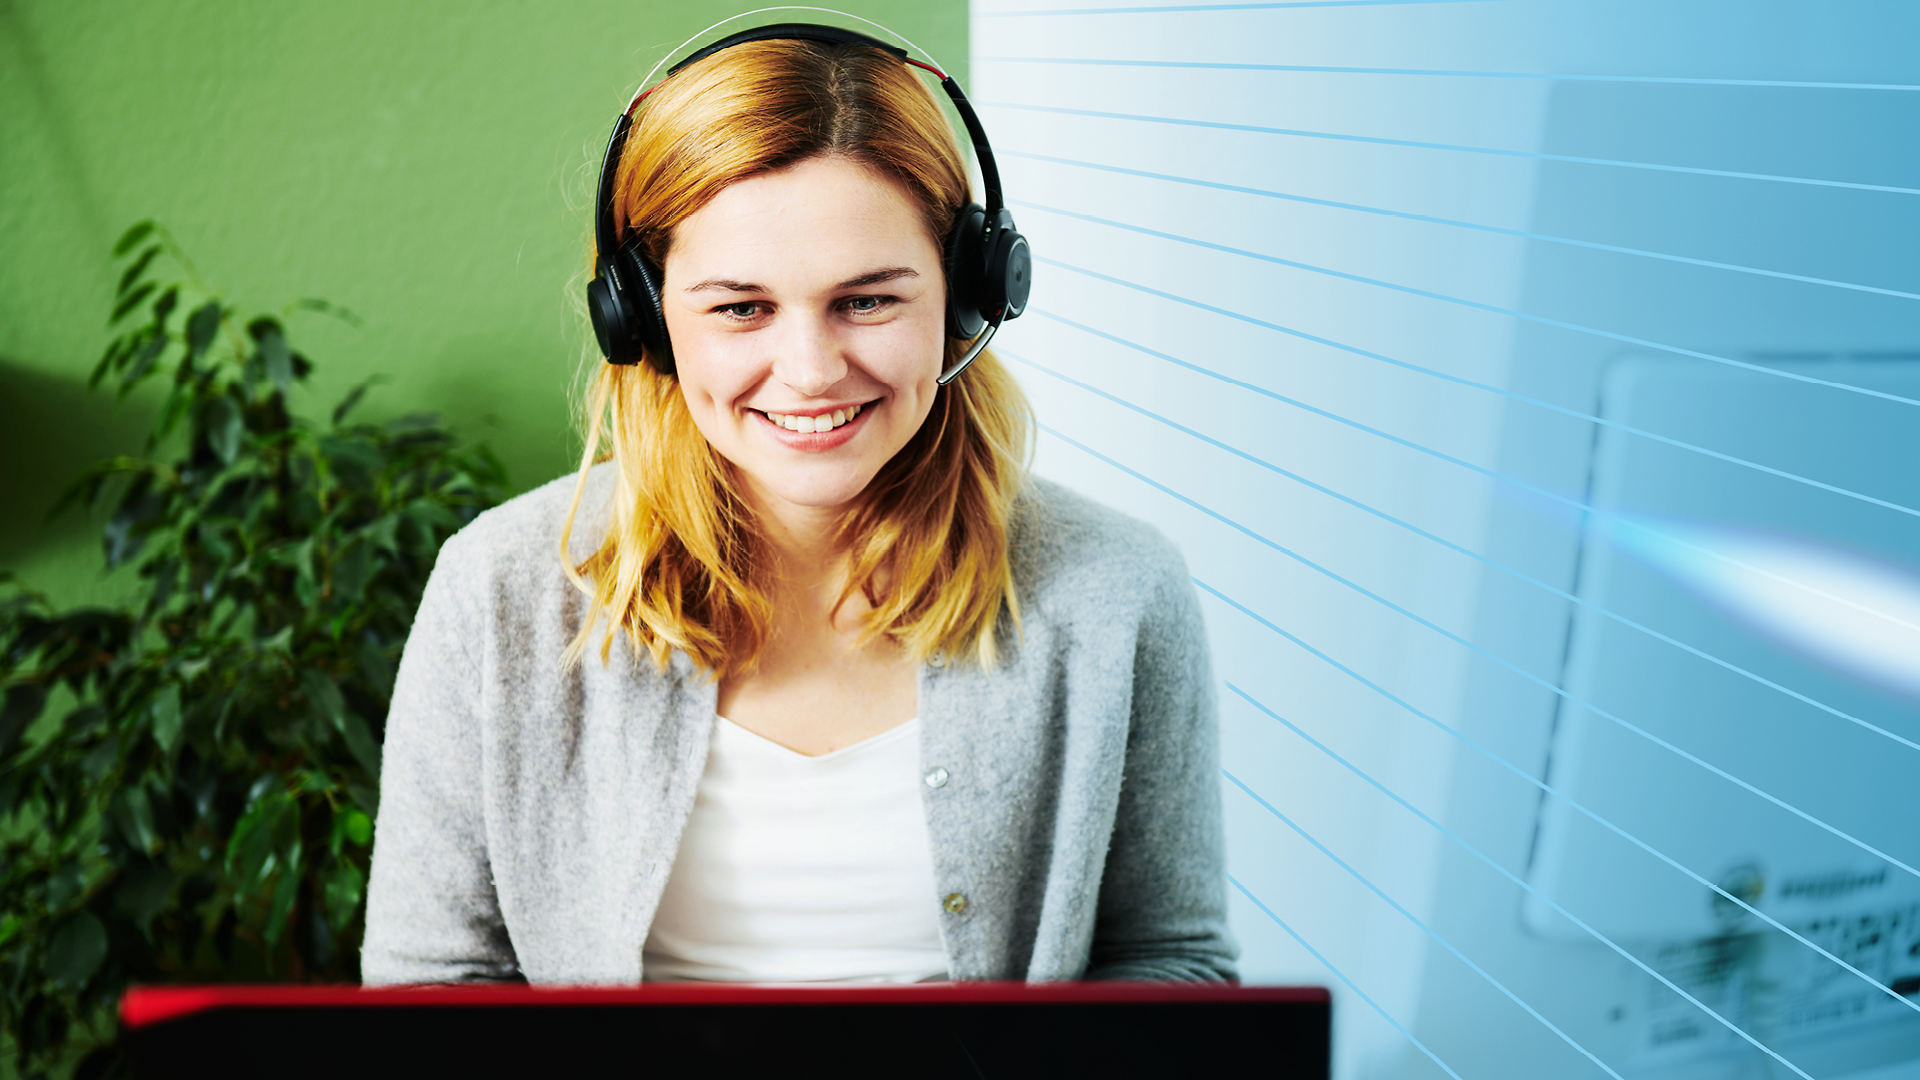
pixel 818 440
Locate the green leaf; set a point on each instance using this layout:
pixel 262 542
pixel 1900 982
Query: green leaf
pixel 126 531
pixel 365 796
pixel 100 761
pixel 144 893
pixel 324 702
pixel 64 885
pixel 130 301
pixel 360 743
pixel 133 812
pixel 354 395
pixel 280 641
pixel 353 570
pixel 76 950
pixel 116 352
pixel 225 426
pixel 139 267
pixel 306 583
pixel 350 825
pixel 84 721
pixel 143 363
pixel 384 533
pixel 345 888
pixel 358 828
pixel 351 458
pixel 324 308
pixel 376 668
pixel 286 893
pixel 201 326
pixel 252 852
pixel 132 237
pixel 179 403
pixel 167 718
pixel 24 702
pixel 274 354
pixel 434 518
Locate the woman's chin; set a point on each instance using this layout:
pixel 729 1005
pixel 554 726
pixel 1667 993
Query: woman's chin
pixel 808 493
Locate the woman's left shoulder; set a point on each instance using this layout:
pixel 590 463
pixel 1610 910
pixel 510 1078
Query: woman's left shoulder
pixel 1064 542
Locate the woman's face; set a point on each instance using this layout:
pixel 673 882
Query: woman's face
pixel 808 311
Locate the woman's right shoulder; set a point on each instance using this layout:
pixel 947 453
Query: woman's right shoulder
pixel 525 530
pixel 504 566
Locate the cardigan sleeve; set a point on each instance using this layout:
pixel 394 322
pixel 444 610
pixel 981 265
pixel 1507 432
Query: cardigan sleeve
pixel 1163 903
pixel 432 915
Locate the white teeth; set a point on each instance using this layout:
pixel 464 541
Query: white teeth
pixel 807 425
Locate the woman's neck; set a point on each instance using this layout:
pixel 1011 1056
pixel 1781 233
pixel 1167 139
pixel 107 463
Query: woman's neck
pixel 816 686
pixel 810 565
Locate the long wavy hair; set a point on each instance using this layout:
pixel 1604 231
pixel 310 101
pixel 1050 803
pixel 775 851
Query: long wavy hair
pixel 682 565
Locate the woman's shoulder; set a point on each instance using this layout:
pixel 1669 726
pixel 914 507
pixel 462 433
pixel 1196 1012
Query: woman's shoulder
pixel 1063 541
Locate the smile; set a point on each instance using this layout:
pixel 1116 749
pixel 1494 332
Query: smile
pixel 807 425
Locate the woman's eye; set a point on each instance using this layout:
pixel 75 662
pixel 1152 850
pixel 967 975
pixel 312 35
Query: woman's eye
pixel 742 311
pixel 867 305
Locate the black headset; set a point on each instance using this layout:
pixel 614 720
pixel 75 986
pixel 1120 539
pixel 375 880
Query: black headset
pixel 988 263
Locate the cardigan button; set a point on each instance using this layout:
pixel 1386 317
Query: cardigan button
pixel 937 778
pixel 938 659
pixel 955 903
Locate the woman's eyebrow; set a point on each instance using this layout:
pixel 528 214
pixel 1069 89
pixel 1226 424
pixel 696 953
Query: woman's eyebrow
pixel 871 277
pixel 724 285
pixel 875 277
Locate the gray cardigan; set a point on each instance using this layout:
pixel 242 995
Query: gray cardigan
pixel 529 816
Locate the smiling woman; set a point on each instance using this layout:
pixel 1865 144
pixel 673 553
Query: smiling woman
pixel 909 714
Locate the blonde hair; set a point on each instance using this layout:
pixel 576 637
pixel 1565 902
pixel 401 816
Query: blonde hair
pixel 682 564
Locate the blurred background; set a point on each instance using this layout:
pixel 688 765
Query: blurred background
pixel 426 168
pixel 1532 385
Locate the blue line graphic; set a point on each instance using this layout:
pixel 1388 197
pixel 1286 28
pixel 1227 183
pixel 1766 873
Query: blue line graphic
pixel 1409 916
pixel 1338 974
pixel 1509 875
pixel 1489 754
pixel 1450 147
pixel 1540 492
pixel 1502 661
pixel 1545 787
pixel 1181 8
pixel 1491 389
pixel 1441 73
pixel 1442 541
pixel 1496 310
pixel 1519 233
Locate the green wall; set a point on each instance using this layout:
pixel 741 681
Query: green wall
pixel 427 166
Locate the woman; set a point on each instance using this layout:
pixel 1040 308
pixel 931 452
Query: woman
pixel 822 686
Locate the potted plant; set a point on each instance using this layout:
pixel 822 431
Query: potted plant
pixel 188 781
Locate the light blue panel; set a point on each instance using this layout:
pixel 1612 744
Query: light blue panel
pixel 1380 310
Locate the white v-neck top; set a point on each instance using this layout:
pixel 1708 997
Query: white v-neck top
pixel 802 869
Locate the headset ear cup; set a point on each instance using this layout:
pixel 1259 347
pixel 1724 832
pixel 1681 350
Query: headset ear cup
pixel 1008 269
pixel 650 320
pixel 965 281
pixel 610 322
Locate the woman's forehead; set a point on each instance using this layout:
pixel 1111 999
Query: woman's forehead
pixel 822 220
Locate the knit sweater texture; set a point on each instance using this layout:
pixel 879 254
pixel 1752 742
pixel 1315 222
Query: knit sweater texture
pixel 529 814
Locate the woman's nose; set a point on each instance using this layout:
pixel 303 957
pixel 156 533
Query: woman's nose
pixel 809 358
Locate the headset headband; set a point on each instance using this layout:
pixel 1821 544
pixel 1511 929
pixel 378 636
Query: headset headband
pixel 827 35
